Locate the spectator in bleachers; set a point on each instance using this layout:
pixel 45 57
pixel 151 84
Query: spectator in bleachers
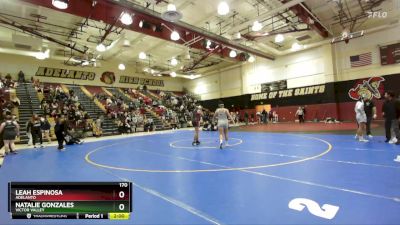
pixel 54 108
pixel 58 89
pixel 57 102
pixel 15 101
pixel 38 87
pixel 109 102
pixel 21 77
pixel 74 98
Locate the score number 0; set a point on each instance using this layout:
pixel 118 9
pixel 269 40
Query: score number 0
pixel 121 195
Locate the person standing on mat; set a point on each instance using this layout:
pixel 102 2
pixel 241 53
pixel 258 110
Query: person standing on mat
pixel 60 130
pixel 361 118
pixel 34 126
pixel 246 118
pixel 264 116
pixel 370 111
pixel 222 114
pixel 10 130
pixel 197 117
pixel 389 112
pixel 29 132
pixel 300 114
pixel 45 128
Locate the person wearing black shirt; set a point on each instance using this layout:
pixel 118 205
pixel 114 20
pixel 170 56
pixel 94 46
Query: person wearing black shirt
pixel 34 127
pixel 60 130
pixel 390 113
pixel 264 116
pixel 45 127
pixel 21 77
pixel 10 130
pixel 370 111
pixel 246 118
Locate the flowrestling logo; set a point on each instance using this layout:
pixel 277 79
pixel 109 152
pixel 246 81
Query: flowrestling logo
pixel 370 88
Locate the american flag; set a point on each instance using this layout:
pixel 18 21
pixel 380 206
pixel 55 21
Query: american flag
pixel 361 60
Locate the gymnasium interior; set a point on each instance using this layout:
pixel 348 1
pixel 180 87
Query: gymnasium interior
pixel 199 112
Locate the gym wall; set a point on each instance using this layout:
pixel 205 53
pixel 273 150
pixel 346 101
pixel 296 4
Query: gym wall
pixel 327 65
pixel 318 65
pixel 12 64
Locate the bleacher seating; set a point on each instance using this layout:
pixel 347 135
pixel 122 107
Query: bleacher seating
pixel 39 98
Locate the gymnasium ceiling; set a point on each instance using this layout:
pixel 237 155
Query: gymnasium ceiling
pixel 72 35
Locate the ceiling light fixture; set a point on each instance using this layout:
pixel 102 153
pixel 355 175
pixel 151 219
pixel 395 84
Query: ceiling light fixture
pixel 251 59
pixel 232 54
pixel 257 26
pixel 174 62
pixel 237 36
pixel 60 4
pixel 40 56
pixel 142 55
pixel 173 74
pixel 126 43
pixel 208 44
pixel 175 36
pixel 171 7
pixel 296 46
pixel 187 54
pixel 121 66
pixel 279 38
pixel 43 55
pixel 141 24
pixel 171 15
pixel 126 18
pixel 223 8
pixel 101 47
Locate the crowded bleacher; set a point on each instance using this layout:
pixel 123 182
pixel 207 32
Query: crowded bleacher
pixel 131 110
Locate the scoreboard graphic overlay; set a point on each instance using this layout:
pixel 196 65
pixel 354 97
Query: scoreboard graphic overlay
pixel 71 200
